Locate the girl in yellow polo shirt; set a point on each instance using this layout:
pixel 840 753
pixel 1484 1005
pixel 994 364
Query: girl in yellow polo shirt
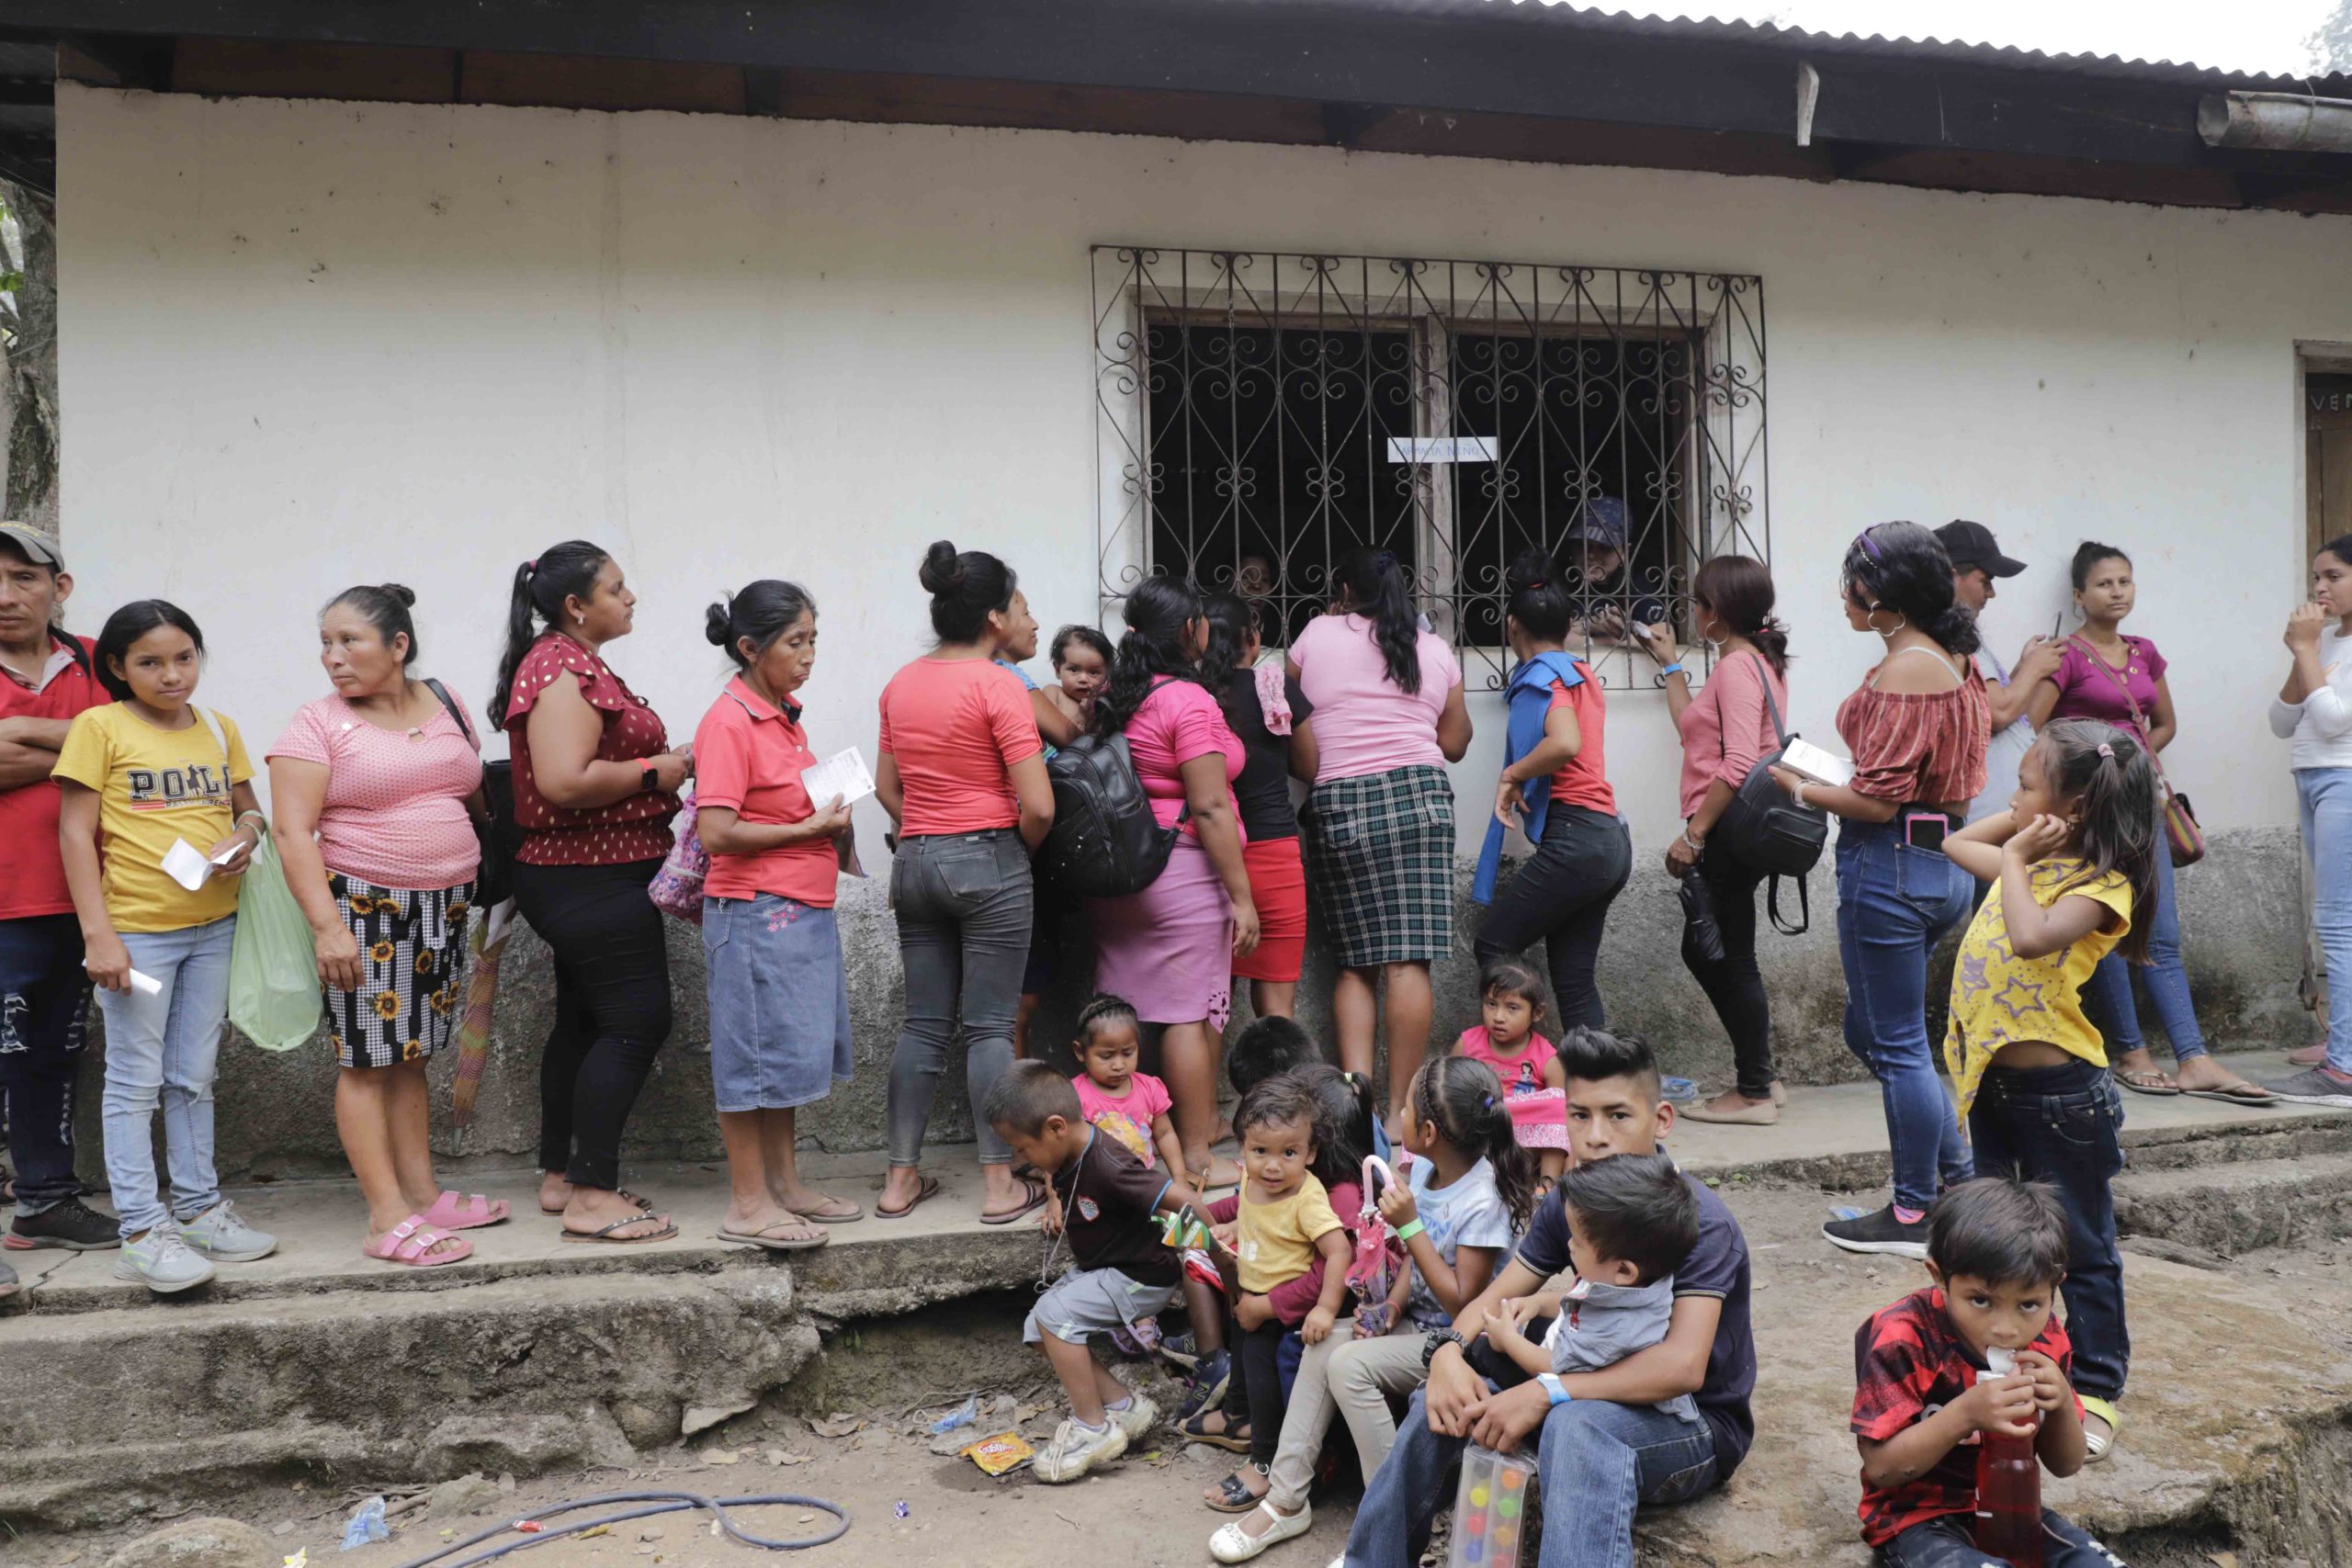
pixel 2071 861
pixel 138 776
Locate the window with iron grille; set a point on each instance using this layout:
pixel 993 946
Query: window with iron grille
pixel 1260 413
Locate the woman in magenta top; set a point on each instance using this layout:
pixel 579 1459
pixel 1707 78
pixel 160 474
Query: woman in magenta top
pixel 2106 674
pixel 372 793
pixel 1168 950
pixel 771 951
pixel 962 769
pixel 595 788
pixel 1726 727
pixel 1379 822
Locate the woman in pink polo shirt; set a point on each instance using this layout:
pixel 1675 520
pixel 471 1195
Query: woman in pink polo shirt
pixel 779 995
pixel 372 791
pixel 962 769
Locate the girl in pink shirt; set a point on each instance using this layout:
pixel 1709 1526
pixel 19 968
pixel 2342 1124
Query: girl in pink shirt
pixel 1535 1084
pixel 1130 1106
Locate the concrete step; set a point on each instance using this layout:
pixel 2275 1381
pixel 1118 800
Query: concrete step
pixel 2229 1207
pixel 111 1412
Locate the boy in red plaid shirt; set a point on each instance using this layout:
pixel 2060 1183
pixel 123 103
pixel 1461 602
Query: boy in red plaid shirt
pixel 1996 1251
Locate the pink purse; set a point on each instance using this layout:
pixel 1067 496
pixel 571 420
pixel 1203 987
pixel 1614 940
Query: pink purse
pixel 676 889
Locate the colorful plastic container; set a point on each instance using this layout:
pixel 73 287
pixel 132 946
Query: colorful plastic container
pixel 1491 1508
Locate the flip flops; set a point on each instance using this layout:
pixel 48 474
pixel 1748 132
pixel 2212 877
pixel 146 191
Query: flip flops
pixel 410 1244
pixel 1034 1192
pixel 926 1188
pixel 604 1235
pixel 775 1242
pixel 2145 1080
pixel 466 1212
pixel 644 1205
pixel 2239 1093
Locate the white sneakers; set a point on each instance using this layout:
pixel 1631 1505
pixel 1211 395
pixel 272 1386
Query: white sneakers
pixel 1075 1450
pixel 1234 1544
pixel 173 1258
pixel 1138 1419
pixel 220 1232
pixel 163 1261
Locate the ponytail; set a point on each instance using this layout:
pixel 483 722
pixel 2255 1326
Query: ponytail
pixel 1344 1115
pixel 1157 612
pixel 567 570
pixel 1464 1100
pixel 2111 773
pixel 1372 584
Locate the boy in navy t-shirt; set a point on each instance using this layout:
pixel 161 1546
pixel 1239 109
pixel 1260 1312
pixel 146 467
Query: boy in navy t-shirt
pixel 1924 1394
pixel 1581 1425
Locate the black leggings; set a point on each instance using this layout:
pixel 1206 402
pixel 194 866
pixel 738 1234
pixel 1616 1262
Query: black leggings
pixel 612 1007
pixel 1563 895
pixel 1256 1392
pixel 1732 982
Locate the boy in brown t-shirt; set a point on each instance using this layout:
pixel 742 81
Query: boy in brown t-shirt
pixel 1103 1200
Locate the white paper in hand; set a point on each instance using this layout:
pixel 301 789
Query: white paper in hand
pixel 842 773
pixel 186 864
pixel 1822 767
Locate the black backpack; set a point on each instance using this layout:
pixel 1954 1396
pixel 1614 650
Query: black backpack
pixel 1105 843
pixel 1766 831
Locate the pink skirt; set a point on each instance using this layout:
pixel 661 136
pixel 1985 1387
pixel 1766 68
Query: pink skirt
pixel 1540 1119
pixel 1169 948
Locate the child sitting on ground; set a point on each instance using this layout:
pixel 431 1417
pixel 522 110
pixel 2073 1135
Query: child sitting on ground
pixel 1467 1191
pixel 1534 1085
pixel 1103 1202
pixel 1282 1221
pixel 1632 1221
pixel 1996 1251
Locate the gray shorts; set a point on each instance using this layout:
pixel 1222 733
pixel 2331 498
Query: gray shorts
pixel 1087 1302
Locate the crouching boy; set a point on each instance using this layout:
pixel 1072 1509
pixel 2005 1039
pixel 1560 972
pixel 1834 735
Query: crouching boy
pixel 1996 1251
pixel 1103 1202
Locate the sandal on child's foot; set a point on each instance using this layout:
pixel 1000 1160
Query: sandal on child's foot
pixel 1233 1495
pixel 1232 1440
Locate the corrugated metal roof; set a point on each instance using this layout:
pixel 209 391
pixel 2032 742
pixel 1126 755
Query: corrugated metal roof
pixel 1796 41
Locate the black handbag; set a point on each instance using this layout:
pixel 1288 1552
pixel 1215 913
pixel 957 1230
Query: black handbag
pixel 1768 832
pixel 497 838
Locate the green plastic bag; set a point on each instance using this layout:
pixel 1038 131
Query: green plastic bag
pixel 273 969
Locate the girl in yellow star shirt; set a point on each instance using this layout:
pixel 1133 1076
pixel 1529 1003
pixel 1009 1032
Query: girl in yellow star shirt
pixel 2069 861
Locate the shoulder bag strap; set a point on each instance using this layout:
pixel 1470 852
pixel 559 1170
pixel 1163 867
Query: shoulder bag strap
pixel 441 696
pixel 2130 702
pixel 1764 676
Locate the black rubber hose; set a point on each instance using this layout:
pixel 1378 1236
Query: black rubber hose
pixel 664 1503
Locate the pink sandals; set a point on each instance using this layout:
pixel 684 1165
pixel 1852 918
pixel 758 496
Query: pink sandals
pixel 412 1243
pixel 456 1211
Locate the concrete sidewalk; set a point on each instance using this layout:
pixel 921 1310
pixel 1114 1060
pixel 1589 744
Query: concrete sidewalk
pixel 1835 1136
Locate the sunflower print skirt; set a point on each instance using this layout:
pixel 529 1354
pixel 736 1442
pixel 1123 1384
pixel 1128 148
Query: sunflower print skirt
pixel 411 971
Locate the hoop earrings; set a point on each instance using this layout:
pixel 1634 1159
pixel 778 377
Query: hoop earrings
pixel 1895 631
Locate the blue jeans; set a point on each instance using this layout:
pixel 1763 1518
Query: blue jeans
pixel 2328 840
pixel 1894 902
pixel 1595 1462
pixel 2065 1126
pixel 44 1002
pixel 2109 991
pixel 164 1047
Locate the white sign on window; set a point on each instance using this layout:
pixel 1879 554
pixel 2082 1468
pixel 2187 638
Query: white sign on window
pixel 1441 448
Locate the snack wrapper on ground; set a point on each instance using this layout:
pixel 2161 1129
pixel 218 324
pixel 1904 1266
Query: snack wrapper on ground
pixel 996 1455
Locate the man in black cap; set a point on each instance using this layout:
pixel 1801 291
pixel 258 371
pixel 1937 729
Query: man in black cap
pixel 1976 560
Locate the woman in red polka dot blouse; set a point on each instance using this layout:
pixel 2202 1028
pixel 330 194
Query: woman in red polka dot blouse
pixel 595 786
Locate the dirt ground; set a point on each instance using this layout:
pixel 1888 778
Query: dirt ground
pixel 1148 1510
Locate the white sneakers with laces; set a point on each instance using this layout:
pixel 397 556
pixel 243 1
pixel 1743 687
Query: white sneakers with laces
pixel 220 1232
pixel 163 1261
pixel 1074 1449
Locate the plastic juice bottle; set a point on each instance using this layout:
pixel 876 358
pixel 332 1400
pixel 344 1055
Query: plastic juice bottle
pixel 2009 1486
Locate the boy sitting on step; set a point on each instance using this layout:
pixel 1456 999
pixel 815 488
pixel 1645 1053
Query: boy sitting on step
pixel 1926 1393
pixel 1103 1201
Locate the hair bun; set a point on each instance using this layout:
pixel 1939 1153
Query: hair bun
pixel 718 621
pixel 400 590
pixel 942 569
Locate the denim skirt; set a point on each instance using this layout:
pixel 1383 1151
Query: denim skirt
pixel 779 1002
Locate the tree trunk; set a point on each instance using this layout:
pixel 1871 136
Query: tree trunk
pixel 28 455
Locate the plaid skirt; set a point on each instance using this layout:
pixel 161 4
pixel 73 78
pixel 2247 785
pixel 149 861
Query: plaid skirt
pixel 1380 859
pixel 412 966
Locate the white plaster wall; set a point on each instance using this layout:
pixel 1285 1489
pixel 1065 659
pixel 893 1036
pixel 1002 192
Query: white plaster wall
pixel 310 344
